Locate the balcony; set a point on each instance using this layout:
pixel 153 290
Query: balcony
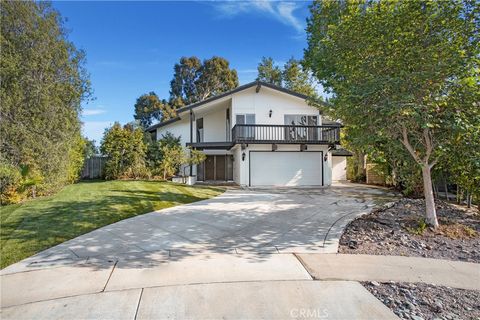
pixel 278 134
pixel 285 134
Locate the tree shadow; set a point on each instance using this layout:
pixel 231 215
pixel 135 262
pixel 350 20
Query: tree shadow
pixel 253 224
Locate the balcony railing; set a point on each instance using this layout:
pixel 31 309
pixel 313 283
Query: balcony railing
pixel 285 134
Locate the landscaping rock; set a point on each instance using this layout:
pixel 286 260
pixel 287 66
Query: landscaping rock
pixel 427 302
pixel 398 229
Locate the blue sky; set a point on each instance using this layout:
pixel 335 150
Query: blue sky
pixel 131 47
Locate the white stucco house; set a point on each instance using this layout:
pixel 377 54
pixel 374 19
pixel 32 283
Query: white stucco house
pixel 257 135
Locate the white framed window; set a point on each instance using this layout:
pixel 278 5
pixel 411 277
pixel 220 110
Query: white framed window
pixel 247 132
pixel 247 118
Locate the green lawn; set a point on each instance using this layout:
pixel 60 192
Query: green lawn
pixel 38 224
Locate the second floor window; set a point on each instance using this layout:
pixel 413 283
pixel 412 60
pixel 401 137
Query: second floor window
pixel 248 118
pixel 246 132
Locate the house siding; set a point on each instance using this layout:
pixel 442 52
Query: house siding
pixel 261 103
pixel 248 102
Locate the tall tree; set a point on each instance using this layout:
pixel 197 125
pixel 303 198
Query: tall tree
pixel 269 72
pixel 215 77
pixel 43 84
pixel 194 81
pixel 148 108
pixel 183 85
pixel 395 69
pixel 90 148
pixel 297 79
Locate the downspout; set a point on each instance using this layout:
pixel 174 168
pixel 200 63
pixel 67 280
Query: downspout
pixel 191 137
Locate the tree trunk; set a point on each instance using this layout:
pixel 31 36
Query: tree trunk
pixel 469 199
pixel 431 213
pixel 361 172
pixel 458 195
pixel 446 188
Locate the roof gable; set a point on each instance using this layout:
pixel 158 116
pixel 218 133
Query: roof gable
pixel 257 84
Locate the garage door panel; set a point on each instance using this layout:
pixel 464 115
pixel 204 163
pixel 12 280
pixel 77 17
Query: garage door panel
pixel 285 168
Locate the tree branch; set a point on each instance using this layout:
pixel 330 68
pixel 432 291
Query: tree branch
pixel 432 164
pixel 428 144
pixel 407 144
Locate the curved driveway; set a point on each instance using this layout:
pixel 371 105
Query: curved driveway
pixel 241 235
pixel 276 220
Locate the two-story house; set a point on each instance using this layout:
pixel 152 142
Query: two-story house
pixel 257 135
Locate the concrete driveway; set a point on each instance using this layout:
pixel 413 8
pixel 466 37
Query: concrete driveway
pixel 279 220
pixel 240 236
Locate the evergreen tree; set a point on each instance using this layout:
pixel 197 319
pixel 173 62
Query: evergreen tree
pixel 43 84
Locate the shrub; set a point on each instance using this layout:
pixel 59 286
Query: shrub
pixel 10 179
pixel 155 152
pixel 125 150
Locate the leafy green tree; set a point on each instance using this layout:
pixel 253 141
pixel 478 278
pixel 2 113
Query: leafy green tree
pixel 297 79
pixel 76 158
pixel 155 149
pixel 43 84
pixel 293 76
pixel 269 72
pixel 460 161
pixel 90 148
pixel 399 70
pixel 215 78
pixel 125 150
pixel 194 157
pixel 195 81
pixel 10 179
pixel 172 158
pixel 183 87
pixel 148 108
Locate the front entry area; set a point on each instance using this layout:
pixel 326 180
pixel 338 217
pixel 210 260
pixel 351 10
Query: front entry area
pixel 277 168
pixel 216 168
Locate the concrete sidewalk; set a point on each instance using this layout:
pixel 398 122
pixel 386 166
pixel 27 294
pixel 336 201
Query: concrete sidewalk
pixel 455 274
pixel 238 300
pixel 223 284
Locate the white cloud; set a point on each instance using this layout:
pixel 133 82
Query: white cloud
pixel 95 129
pixel 282 11
pixel 93 112
pixel 285 10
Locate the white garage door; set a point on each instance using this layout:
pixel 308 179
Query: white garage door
pixel 285 168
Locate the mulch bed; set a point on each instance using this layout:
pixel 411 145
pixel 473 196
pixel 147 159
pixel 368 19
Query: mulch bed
pixel 424 301
pixel 399 230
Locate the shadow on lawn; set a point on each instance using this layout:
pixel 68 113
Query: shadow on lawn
pixel 56 221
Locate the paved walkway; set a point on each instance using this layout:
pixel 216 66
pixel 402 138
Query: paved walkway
pixel 223 285
pixel 245 254
pixel 455 274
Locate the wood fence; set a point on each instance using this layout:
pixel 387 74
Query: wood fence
pixel 93 168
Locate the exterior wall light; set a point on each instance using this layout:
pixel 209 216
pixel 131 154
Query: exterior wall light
pixel 270 113
pixel 243 156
